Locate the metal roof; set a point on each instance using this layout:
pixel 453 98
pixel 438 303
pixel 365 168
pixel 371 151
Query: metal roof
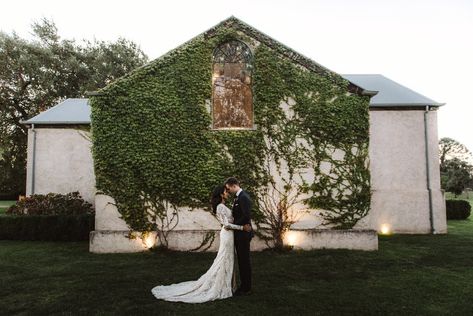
pixel 70 111
pixel 390 93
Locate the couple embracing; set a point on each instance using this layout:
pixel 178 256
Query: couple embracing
pixel 236 234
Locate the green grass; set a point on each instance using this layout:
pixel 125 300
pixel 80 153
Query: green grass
pixel 4 205
pixel 409 275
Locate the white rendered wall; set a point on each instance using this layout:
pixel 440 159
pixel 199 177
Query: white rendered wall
pixel 110 235
pixel 62 163
pixel 398 173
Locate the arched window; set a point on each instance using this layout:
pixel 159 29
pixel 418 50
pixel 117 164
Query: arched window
pixel 232 97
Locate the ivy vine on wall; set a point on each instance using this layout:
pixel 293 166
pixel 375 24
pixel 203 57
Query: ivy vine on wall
pixel 155 151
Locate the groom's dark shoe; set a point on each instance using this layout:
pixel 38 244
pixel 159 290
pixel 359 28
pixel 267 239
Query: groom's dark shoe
pixel 240 292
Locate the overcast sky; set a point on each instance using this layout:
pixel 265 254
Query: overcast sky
pixel 424 45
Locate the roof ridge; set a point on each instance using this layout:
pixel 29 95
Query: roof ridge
pixel 249 30
pixel 286 51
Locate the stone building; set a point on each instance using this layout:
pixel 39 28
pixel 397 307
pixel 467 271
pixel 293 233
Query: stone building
pixel 403 161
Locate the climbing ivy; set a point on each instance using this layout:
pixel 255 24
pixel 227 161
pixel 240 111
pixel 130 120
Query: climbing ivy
pixel 154 150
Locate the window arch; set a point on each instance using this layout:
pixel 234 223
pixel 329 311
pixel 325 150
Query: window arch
pixel 232 96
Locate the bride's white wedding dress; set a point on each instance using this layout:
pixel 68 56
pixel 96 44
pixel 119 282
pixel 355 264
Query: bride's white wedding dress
pixel 216 283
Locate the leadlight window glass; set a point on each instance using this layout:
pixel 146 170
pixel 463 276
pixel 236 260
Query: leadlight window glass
pixel 232 97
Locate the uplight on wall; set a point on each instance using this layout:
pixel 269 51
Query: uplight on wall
pixel 385 229
pixel 291 238
pixel 149 240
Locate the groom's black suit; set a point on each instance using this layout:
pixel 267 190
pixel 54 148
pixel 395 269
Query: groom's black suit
pixel 241 212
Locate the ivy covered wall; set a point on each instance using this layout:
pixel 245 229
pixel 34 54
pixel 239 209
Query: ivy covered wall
pixel 155 151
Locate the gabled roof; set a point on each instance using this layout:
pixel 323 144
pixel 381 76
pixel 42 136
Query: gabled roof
pixel 391 93
pixel 233 22
pixel 238 25
pixel 70 111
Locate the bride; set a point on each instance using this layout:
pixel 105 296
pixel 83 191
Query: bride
pixel 216 283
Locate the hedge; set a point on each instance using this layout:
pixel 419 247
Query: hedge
pixel 458 209
pixel 47 227
pixel 51 204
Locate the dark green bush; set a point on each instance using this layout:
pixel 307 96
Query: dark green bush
pixel 7 196
pixel 47 227
pixel 51 204
pixel 458 209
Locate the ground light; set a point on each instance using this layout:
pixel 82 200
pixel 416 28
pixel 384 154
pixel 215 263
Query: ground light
pixel 385 229
pixel 291 238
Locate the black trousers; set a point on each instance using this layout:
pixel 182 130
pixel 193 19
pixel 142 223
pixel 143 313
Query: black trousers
pixel 242 245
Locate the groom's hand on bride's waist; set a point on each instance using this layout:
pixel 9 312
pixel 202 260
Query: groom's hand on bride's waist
pixel 247 227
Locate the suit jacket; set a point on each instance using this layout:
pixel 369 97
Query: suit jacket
pixel 241 210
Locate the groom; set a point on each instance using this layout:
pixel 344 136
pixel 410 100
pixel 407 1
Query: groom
pixel 241 212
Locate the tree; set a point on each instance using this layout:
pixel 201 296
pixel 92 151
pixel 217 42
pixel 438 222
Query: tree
pixel 450 148
pixel 456 170
pixel 278 212
pixel 457 176
pixel 35 75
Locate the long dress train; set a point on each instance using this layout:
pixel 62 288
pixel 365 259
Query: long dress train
pixel 216 283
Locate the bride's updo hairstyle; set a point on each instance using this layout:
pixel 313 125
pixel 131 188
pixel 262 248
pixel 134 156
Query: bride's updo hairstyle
pixel 216 198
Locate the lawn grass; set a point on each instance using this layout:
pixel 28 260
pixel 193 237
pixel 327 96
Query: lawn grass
pixel 4 205
pixel 409 275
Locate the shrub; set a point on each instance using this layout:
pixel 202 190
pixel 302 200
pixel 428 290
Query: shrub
pixel 46 227
pixel 51 204
pixel 6 196
pixel 458 209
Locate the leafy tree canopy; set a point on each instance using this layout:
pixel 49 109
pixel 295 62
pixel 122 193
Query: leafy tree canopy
pixel 37 74
pixel 455 168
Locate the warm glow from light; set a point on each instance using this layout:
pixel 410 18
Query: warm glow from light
pixel 149 241
pixel 385 229
pixel 291 238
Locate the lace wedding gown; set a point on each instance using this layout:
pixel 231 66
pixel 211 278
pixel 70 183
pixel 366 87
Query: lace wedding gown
pixel 216 283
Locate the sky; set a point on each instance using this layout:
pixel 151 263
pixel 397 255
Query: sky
pixel 426 45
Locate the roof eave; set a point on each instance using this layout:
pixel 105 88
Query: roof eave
pixel 434 104
pixel 371 93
